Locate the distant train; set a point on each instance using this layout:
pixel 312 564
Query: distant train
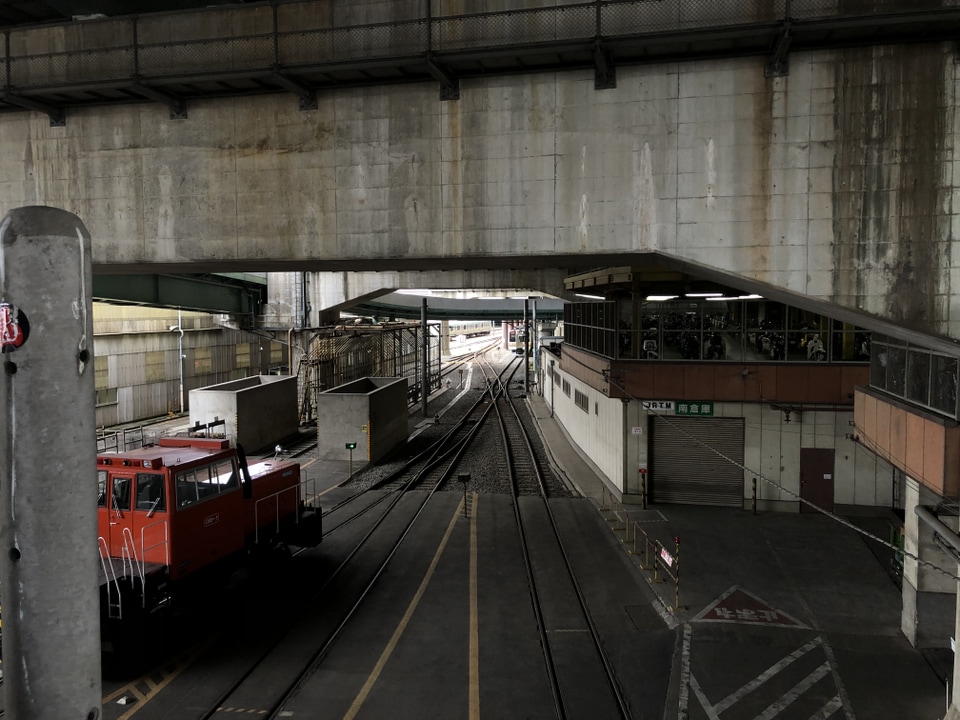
pixel 518 341
pixel 467 329
pixel 169 514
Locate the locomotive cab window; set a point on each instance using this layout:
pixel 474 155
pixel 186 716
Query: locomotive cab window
pixel 206 481
pixel 121 493
pixel 101 488
pixel 150 494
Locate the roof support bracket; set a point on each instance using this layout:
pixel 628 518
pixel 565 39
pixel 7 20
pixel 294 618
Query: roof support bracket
pixel 178 109
pixel 58 116
pixel 307 95
pixel 605 72
pixel 777 64
pixel 449 83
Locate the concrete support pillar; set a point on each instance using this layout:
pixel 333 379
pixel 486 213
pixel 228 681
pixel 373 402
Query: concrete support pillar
pixel 928 616
pixel 635 424
pixel 48 481
pixel 444 338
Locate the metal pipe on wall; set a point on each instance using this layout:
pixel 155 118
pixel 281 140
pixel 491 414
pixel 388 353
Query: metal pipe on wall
pixel 425 365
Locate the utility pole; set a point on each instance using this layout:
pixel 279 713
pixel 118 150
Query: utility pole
pixel 48 503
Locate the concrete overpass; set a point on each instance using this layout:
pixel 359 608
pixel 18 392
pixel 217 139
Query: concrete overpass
pixel 825 173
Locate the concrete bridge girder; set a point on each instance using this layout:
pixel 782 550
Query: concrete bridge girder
pixel 832 183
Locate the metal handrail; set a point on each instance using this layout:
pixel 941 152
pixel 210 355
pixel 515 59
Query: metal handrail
pixel 278 48
pixel 164 543
pixel 111 577
pixel 301 498
pixel 129 555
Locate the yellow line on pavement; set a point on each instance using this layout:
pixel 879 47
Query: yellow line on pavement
pixel 143 698
pixel 398 633
pixel 474 619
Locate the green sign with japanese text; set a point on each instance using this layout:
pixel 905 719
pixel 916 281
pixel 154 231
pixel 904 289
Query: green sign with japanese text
pixel 701 409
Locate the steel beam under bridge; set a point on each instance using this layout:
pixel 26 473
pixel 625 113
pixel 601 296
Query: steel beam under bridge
pixel 230 293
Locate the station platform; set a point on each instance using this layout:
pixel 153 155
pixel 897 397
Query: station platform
pixel 770 608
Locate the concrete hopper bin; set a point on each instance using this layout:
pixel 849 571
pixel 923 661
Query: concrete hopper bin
pixel 371 412
pixel 259 411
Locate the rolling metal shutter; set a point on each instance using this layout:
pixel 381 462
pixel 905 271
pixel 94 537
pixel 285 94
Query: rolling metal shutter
pixel 686 467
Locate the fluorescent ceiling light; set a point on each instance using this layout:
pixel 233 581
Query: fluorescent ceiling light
pixel 660 298
pixel 738 297
pixel 592 297
pixel 704 294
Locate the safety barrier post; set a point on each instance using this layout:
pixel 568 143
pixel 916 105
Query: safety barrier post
pixel 676 557
pixel 645 565
pixel 618 517
pixel 643 491
pixel 754 496
pixel 633 550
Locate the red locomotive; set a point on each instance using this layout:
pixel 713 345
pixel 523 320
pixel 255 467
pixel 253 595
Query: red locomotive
pixel 171 513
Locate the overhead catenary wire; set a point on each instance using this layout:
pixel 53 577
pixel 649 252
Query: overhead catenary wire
pixel 791 493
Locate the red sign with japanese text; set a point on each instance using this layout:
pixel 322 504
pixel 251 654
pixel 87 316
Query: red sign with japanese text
pixel 739 606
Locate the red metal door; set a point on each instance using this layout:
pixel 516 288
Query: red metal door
pixel 816 478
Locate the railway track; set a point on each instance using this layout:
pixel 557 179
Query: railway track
pixel 428 471
pixel 527 478
pixel 383 515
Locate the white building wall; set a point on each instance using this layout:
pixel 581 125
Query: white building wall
pixel 771 447
pixel 599 433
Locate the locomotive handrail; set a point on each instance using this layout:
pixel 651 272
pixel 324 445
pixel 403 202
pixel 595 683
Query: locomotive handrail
pixel 165 543
pixel 309 495
pixel 105 553
pixel 276 507
pixel 129 553
pixel 299 489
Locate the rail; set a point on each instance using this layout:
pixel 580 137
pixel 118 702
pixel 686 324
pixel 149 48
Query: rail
pixel 121 440
pixel 141 48
pixel 657 558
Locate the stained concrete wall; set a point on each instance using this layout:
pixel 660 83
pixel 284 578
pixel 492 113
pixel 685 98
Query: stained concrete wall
pixel 259 411
pixel 835 182
pixel 371 412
